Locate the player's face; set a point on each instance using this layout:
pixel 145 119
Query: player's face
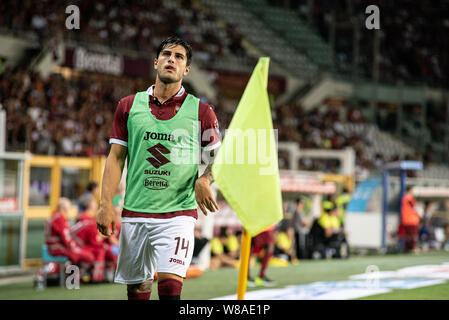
pixel 171 65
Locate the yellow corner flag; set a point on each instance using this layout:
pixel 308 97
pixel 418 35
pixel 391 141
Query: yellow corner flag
pixel 246 166
pixel 247 173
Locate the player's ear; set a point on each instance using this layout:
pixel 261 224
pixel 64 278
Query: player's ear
pixel 155 63
pixel 186 71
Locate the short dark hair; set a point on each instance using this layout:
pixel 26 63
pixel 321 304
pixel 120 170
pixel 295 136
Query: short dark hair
pixel 174 40
pixel 91 186
pixel 223 232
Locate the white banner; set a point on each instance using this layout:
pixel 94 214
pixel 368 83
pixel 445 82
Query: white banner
pixel 361 285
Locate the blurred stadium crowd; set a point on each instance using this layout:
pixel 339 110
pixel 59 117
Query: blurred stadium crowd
pixel 420 55
pixel 141 25
pixel 53 116
pixel 135 25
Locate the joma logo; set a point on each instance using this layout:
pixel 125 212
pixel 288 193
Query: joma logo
pixel 176 261
pixel 158 136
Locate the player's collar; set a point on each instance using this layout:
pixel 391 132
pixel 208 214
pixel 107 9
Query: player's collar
pixel 150 91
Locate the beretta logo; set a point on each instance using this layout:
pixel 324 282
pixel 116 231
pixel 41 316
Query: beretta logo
pixel 155 183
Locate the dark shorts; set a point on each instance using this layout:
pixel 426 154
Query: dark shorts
pixel 411 230
pixel 411 237
pixel 262 240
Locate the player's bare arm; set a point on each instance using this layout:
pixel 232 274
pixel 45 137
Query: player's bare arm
pixel 111 178
pixel 203 192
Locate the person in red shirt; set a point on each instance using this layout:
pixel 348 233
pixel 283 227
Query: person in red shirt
pixel 264 241
pixel 409 220
pixel 85 233
pixel 59 240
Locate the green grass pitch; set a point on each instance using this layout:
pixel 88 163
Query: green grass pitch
pixel 223 282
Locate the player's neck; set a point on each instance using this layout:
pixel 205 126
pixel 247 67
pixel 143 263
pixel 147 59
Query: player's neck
pixel 164 91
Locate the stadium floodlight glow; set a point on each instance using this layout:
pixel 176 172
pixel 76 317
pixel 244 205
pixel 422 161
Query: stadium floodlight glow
pixel 402 166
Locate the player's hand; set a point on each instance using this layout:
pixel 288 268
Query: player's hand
pixel 204 196
pixel 105 218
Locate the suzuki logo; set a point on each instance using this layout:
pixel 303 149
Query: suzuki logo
pixel 156 151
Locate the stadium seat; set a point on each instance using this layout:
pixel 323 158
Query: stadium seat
pixel 253 27
pixel 61 260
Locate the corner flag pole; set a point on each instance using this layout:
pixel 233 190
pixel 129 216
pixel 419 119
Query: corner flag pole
pixel 261 209
pixel 244 263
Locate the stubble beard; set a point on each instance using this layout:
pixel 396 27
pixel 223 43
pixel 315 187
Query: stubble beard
pixel 166 79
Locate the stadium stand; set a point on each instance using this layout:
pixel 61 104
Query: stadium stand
pixel 258 34
pixel 83 135
pixel 217 31
pixel 294 30
pixel 413 50
pixel 54 116
pixel 109 23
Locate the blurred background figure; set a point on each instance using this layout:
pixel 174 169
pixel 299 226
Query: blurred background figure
pixel 200 243
pixel 327 238
pixel 87 236
pixel 285 244
pixel 341 201
pixel 117 201
pixel 300 227
pixel 59 240
pixel 410 221
pixel 445 244
pixel 232 244
pixel 92 189
pixel 221 256
pixel 426 231
pixel 262 246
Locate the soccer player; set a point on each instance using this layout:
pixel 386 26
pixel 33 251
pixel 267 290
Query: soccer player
pixel 265 242
pixel 158 130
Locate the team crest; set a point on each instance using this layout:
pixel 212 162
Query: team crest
pixel 177 107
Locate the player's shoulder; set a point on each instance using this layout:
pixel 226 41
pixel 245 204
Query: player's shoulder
pixel 205 108
pixel 125 103
pixel 204 104
pixel 128 99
